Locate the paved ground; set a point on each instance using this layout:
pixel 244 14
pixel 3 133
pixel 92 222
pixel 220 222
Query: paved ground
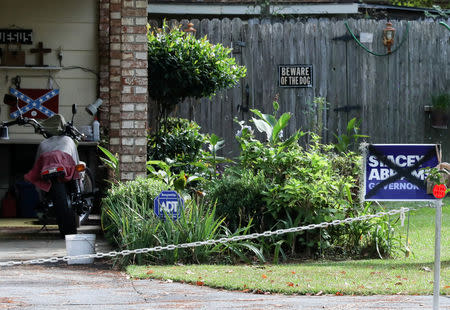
pixel 99 286
pixel 20 239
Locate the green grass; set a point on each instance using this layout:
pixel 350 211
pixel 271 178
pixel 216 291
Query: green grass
pixel 406 275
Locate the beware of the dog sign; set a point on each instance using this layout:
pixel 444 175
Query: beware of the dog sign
pixel 397 172
pixel 295 76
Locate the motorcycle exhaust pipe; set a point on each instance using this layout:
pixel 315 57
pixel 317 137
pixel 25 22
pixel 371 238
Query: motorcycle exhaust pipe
pixel 4 134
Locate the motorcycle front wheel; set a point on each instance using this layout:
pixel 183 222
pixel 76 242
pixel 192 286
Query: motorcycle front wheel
pixel 66 217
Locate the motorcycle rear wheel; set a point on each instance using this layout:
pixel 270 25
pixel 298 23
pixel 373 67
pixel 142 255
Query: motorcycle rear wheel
pixel 66 217
pixel 87 189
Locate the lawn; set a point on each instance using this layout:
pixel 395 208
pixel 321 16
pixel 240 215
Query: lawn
pixel 403 275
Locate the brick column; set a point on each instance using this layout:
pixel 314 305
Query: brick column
pixel 103 52
pixel 124 83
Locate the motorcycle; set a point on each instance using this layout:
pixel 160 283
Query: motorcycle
pixel 64 183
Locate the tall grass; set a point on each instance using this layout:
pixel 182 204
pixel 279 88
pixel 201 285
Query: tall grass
pixel 130 223
pixel 127 214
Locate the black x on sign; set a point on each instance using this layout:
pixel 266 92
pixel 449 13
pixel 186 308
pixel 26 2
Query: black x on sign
pixel 397 172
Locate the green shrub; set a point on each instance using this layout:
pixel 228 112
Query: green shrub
pixel 307 186
pixel 127 210
pixel 129 223
pixel 180 141
pixel 182 66
pixel 348 141
pixel 239 197
pixel 377 237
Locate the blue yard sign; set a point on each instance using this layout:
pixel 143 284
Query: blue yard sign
pixel 170 203
pixel 395 172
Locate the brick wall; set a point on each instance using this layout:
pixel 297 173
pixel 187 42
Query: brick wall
pixel 123 81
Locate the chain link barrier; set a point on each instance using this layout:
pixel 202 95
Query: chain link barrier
pixel 223 240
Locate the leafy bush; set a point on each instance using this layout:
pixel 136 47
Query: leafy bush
pixel 276 184
pixel 348 141
pixel 111 161
pixel 180 141
pixel 239 198
pixel 182 66
pixel 130 223
pixel 305 186
pixel 377 237
pixel 127 208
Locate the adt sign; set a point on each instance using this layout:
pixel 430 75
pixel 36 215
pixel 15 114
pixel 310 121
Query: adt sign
pixel 170 203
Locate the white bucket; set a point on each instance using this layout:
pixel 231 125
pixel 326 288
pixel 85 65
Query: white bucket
pixel 81 244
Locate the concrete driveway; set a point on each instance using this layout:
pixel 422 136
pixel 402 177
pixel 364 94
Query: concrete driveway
pixel 99 286
pixel 24 239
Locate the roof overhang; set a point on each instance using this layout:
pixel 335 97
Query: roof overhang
pixel 242 9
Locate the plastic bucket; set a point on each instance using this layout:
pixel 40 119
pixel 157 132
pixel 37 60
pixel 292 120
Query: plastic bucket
pixel 80 244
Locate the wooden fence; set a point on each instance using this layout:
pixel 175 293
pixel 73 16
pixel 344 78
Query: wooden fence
pixel 387 94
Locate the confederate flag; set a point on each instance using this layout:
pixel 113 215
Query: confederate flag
pixel 35 103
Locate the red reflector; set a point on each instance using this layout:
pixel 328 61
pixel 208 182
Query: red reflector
pixel 59 169
pixel 45 172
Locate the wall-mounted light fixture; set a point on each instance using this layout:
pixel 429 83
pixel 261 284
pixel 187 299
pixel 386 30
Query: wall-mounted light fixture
pixel 388 36
pixel 190 28
pixel 93 107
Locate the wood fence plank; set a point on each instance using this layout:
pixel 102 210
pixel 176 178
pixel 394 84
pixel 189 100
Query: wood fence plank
pixel 300 118
pixel 237 93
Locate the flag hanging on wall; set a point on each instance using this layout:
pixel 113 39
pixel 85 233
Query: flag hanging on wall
pixel 35 103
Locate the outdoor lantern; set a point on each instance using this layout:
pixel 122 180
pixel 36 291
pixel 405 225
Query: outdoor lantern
pixel 190 28
pixel 388 36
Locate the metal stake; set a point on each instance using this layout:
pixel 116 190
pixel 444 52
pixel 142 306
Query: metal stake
pixel 437 253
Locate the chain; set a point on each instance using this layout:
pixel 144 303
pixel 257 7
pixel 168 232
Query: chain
pixel 171 247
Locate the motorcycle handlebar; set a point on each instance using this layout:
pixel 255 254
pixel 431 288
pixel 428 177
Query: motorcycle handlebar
pixel 74 133
pixel 70 130
pixel 10 123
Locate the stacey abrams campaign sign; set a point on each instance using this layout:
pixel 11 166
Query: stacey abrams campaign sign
pixel 398 171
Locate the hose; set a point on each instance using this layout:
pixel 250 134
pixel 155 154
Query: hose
pixel 374 53
pixel 445 25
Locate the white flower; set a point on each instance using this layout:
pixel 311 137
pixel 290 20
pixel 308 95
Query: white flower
pixel 245 127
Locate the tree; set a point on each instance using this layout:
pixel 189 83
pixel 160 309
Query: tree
pixel 421 3
pixel 182 66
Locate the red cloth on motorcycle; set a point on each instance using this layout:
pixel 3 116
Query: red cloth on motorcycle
pixel 50 160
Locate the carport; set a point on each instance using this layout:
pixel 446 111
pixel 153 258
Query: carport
pixel 87 50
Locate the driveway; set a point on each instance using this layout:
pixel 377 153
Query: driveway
pixel 99 286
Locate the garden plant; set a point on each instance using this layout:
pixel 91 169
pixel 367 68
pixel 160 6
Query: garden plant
pixel 274 183
pixel 182 66
pixel 277 181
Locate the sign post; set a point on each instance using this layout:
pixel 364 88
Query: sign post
pixel 437 254
pixel 396 172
